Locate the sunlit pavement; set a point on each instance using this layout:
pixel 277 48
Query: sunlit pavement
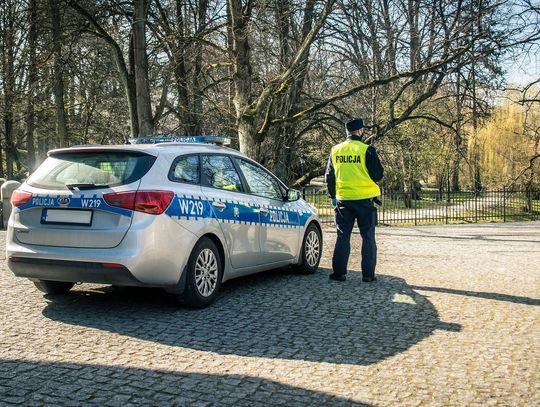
pixel 454 319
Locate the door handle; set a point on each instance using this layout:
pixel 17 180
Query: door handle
pixel 262 209
pixel 219 205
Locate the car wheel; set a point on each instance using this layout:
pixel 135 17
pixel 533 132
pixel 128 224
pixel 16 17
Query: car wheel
pixel 204 272
pixel 311 251
pixel 53 287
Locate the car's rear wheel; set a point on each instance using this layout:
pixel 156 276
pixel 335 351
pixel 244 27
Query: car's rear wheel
pixel 311 251
pixel 204 272
pixel 53 287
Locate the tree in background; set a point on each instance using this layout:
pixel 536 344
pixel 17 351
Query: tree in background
pixel 509 142
pixel 278 76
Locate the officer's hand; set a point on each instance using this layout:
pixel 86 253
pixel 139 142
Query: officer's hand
pixel 334 202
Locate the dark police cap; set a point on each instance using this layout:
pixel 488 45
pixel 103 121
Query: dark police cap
pixel 355 123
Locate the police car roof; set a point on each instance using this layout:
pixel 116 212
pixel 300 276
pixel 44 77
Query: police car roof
pixel 152 149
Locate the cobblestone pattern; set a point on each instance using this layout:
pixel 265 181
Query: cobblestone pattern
pixel 454 319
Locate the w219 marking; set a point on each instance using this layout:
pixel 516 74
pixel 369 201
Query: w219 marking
pixel 90 203
pixel 191 207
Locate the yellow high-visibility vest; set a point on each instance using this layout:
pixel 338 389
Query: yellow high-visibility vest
pixel 352 177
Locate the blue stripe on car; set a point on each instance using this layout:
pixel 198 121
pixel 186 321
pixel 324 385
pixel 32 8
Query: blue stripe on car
pixel 191 207
pixel 82 202
pixel 188 207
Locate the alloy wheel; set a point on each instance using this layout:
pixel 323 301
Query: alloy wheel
pixel 312 248
pixel 206 272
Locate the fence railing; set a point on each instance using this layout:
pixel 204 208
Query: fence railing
pixel 436 207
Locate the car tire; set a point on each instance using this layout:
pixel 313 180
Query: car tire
pixel 310 256
pixel 53 287
pixel 204 274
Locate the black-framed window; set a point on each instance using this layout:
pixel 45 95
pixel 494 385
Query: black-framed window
pixel 101 168
pixel 186 169
pixel 218 171
pixel 260 181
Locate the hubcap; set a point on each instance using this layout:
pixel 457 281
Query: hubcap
pixel 312 248
pixel 206 272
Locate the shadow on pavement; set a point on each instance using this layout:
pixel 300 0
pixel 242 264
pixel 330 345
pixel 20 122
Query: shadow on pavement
pixel 48 383
pixel 480 294
pixel 275 314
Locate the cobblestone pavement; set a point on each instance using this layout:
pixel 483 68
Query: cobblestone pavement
pixel 454 319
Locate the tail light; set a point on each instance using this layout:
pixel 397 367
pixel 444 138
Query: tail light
pixel 113 265
pixel 153 202
pixel 19 198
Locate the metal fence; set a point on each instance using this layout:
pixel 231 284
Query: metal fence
pixel 443 207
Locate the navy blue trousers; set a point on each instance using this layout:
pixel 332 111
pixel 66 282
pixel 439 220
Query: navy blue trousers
pixel 363 213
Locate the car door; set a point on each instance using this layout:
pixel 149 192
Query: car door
pixel 235 210
pixel 189 208
pixel 279 219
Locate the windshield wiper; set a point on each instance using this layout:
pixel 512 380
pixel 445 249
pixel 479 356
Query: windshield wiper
pixel 82 186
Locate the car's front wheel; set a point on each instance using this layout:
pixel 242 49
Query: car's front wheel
pixel 53 287
pixel 310 256
pixel 204 273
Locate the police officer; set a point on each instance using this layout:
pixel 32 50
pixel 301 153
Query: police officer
pixel 351 175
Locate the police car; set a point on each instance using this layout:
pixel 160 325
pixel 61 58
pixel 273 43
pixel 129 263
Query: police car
pixel 181 213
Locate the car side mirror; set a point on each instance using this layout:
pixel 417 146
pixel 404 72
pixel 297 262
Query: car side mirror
pixel 293 195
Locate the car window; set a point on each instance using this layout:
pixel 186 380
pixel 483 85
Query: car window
pixel 91 168
pixel 185 169
pixel 260 182
pixel 219 172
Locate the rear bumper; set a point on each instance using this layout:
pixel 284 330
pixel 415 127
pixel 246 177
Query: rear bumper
pixel 153 253
pixel 72 271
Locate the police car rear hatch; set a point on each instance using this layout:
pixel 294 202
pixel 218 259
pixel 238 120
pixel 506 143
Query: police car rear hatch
pixel 80 197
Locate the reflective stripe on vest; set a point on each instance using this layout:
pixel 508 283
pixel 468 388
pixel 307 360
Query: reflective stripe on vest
pixel 352 177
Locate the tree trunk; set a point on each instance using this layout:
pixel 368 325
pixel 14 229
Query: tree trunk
pixel 407 182
pixel 127 76
pixel 282 152
pixel 178 52
pixel 458 137
pixel 372 26
pixel 1 161
pixel 532 176
pixel 197 112
pixel 476 147
pixel 240 51
pixel 8 81
pixel 8 133
pixel 32 84
pixel 140 59
pixel 58 81
pixel 285 138
pixel 254 115
pixel 248 144
pixel 391 59
pixel 413 10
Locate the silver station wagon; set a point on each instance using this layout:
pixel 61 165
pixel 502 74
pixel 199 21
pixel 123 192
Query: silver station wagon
pixel 184 215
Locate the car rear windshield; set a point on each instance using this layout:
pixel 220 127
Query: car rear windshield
pixel 91 169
